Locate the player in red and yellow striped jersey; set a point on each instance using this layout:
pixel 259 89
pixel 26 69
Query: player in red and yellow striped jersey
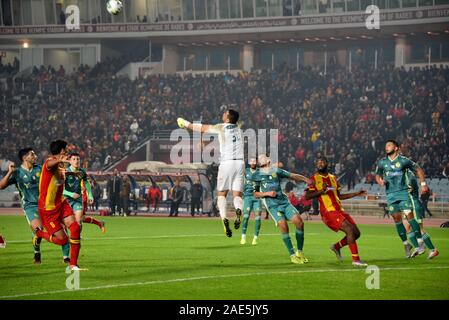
pixel 54 209
pixel 326 188
pixel 2 242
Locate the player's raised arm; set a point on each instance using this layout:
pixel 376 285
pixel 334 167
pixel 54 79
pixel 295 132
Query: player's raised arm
pixel 293 176
pixel 299 178
pixel 351 195
pixel 182 123
pixel 5 181
pixel 53 162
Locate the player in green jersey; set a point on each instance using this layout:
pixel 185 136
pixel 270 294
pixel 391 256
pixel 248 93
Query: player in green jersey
pixel 250 203
pixel 26 179
pixel 276 202
pixel 418 210
pixel 73 191
pixel 391 173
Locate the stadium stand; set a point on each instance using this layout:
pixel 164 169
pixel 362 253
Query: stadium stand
pixel 309 108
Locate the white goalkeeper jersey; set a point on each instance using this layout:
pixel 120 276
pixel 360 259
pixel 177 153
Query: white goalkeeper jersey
pixel 231 141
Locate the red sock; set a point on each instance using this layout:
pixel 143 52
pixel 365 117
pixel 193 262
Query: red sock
pixel 75 243
pixel 354 251
pixel 340 244
pixel 50 238
pixel 45 235
pixel 92 220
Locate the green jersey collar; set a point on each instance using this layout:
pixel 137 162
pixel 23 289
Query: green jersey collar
pixel 73 169
pixel 391 160
pixel 24 168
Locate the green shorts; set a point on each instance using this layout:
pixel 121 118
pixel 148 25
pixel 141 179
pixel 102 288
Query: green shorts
pixel 279 211
pixel 31 213
pixel 399 206
pixel 251 204
pixel 417 209
pixel 399 201
pixel 76 204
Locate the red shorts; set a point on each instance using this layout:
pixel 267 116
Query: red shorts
pixel 334 219
pixel 52 219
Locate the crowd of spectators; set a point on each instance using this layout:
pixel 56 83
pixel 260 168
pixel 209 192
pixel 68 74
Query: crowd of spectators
pixel 9 69
pixel 346 116
pixel 77 106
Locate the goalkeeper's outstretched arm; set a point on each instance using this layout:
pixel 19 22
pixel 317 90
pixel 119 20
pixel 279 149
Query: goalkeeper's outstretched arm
pixel 182 123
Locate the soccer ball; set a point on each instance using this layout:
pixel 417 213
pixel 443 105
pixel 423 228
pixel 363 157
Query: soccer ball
pixel 114 6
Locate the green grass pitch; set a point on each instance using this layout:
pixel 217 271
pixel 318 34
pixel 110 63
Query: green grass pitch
pixel 179 258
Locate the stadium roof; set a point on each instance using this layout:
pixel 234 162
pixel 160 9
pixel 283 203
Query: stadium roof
pixel 327 27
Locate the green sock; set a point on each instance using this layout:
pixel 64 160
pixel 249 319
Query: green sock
pixel 257 226
pixel 419 237
pixel 245 223
pixel 401 231
pixel 288 243
pixel 427 241
pixel 300 239
pixel 415 227
pixel 66 250
pixel 413 240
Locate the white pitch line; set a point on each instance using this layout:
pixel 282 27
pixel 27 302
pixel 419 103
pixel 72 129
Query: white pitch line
pixel 112 286
pixel 205 235
pixel 159 237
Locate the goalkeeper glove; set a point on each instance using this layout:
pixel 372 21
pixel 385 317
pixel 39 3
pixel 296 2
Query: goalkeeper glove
pixel 182 123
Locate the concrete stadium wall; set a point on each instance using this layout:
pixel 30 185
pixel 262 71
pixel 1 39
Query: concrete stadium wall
pixel 371 208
